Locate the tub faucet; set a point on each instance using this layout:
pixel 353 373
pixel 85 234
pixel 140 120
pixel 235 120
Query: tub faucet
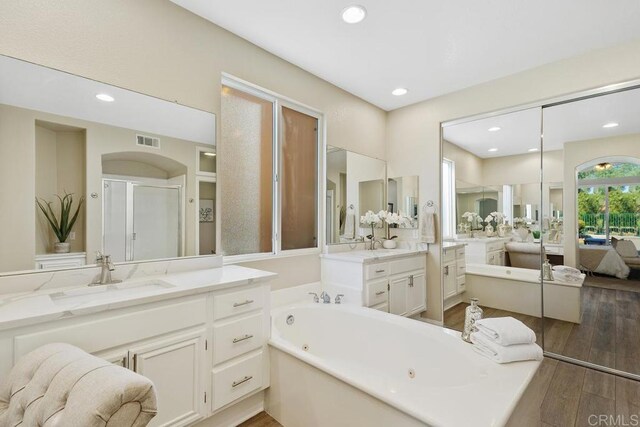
pixel 326 299
pixel 315 297
pixel 339 298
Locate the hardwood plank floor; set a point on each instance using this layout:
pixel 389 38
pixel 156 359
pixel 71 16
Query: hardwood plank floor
pixel 261 420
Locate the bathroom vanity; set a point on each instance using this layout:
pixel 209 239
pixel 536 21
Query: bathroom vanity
pixel 391 280
pixel 488 250
pixel 199 335
pixel 454 269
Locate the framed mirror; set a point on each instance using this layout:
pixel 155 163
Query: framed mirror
pixel 355 184
pixel 90 167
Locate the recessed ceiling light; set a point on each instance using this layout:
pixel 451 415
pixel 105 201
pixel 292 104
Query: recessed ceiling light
pixel 494 129
pixel 493 150
pixel 353 14
pixel 104 97
pixel 610 125
pixel 532 150
pixel 210 154
pixel 399 91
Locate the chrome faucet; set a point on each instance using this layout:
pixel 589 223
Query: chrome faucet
pixel 104 261
pixel 315 297
pixel 326 299
pixel 339 298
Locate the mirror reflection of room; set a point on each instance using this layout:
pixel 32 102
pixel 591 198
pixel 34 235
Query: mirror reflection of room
pixel 492 219
pixel 600 141
pixel 114 172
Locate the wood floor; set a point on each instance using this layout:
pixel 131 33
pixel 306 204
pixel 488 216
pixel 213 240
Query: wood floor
pixel 261 420
pixel 608 335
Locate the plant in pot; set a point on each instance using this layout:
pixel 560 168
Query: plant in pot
pixel 392 220
pixel 371 219
pixel 62 224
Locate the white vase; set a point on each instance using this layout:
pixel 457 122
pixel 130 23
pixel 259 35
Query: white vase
pixel 61 248
pixel 523 233
pixel 389 244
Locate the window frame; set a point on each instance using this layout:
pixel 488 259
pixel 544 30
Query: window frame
pixel 280 101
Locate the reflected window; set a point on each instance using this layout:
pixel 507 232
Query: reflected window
pixel 448 198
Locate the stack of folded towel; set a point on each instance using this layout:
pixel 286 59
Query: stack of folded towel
pixel 505 340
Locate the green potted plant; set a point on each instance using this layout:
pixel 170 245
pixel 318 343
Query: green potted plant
pixel 63 224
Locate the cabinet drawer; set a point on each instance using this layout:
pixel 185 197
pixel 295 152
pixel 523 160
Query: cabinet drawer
pixel 234 338
pixel 238 302
pixel 461 269
pixel 461 280
pixel 407 264
pixel 495 246
pixel 237 380
pixel 377 270
pixel 448 255
pixel 377 292
pixel 460 253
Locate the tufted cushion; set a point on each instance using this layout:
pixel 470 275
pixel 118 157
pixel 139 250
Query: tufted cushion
pixel 60 385
pixel 626 249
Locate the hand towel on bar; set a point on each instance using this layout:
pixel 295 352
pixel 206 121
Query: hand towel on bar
pixel 428 228
pixel 505 354
pixel 350 225
pixel 506 331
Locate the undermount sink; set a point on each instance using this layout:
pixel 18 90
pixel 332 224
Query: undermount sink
pixel 116 290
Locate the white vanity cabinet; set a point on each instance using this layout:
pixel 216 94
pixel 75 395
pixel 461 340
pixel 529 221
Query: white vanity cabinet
pixel 454 269
pixel 486 251
pixel 391 282
pixel 203 352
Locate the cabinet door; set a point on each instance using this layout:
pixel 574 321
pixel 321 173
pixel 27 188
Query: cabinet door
pixel 450 281
pixel 117 357
pixel 398 289
pixel 175 366
pixel 417 292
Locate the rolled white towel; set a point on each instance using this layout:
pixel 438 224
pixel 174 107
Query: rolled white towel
pixel 505 354
pixel 506 331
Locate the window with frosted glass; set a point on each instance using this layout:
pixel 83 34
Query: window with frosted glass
pixel 247 173
pixel 448 199
pixel 299 180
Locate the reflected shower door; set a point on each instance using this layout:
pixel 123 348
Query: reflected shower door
pixel 156 222
pixel 115 220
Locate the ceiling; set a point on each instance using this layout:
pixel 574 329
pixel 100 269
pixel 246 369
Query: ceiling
pixel 574 121
pixel 31 86
pixel 430 47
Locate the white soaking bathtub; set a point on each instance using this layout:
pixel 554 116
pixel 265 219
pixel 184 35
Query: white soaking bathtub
pixel 341 365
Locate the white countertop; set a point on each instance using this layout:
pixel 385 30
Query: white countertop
pixel 483 239
pixel 450 245
pixel 376 255
pixel 28 308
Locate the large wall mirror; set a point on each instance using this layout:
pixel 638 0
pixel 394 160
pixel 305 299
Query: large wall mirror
pixel 492 219
pixel 501 220
pixel 595 221
pixel 355 184
pixel 89 167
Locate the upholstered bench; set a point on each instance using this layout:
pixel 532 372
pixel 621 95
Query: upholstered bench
pixel 59 385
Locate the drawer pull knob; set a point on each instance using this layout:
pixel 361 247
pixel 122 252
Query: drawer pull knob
pixel 242 381
pixel 240 304
pixel 244 338
pixel 380 293
pixel 379 271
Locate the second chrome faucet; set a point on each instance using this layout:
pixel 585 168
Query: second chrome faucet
pixel 326 299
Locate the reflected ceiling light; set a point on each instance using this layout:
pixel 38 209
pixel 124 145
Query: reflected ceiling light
pixel 532 150
pixel 399 91
pixel 610 125
pixel 353 14
pixel 104 97
pixel 493 150
pixel 209 154
pixel 603 166
pixel 494 129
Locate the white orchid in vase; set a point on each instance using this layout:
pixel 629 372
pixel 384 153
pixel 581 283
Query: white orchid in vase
pixel 473 219
pixel 391 219
pixel 371 219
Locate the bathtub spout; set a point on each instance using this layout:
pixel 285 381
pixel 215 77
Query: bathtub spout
pixel 325 297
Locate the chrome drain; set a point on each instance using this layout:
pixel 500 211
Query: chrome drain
pixel 305 347
pixel 290 319
pixel 412 373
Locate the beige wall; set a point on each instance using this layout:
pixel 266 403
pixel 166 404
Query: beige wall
pixel 103 40
pixel 575 154
pixel 413 132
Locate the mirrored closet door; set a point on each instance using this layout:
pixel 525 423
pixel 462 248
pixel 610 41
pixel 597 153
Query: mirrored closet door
pixel 491 222
pixel 591 225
